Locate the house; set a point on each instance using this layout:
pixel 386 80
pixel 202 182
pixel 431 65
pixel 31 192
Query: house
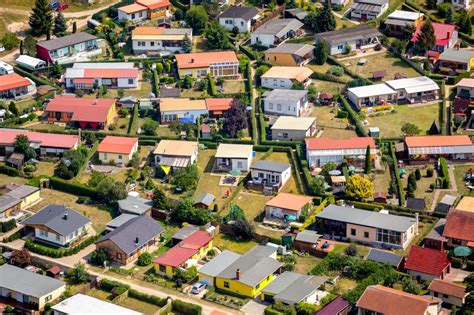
pixel 435 239
pixel 446 203
pixel 458 4
pixel 455 147
pixel 17 198
pixel 399 20
pixel 291 288
pixel 364 10
pixel 296 13
pixel 45 144
pixel 181 109
pixel 82 112
pixel 68 49
pixel 459 222
pixel 30 63
pixel 280 102
pixel 117 149
pixel 455 61
pixel 118 221
pixel 128 241
pixel 274 32
pixel 220 64
pixel 185 254
pixel 288 206
pixel 241 18
pixel 134 12
pixel 234 157
pixel 175 154
pixel 385 258
pixel 320 151
pixel 287 128
pixel 244 275
pixel 285 77
pixel 373 95
pixel 374 228
pixel 311 242
pixel 58 225
pixel 115 75
pixel 268 177
pixel 358 37
pixel 450 293
pixel 156 8
pixel 135 205
pixel 290 55
pixel 144 9
pixel 218 106
pixel 89 305
pixel 446 36
pixel 338 306
pixel 378 299
pixel 5 68
pixel 426 263
pixel 148 40
pixel 183 233
pixel 127 102
pixel 465 88
pixel 28 288
pixel 14 86
pixel 205 201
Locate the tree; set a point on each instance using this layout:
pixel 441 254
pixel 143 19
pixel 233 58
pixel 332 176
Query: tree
pixel 186 178
pixel 29 45
pixel 410 129
pixel 187 44
pixel 358 188
pixel 160 201
pixel 311 21
pixel 368 161
pixel 41 18
pixel 431 4
pixel 95 179
pixel 111 191
pixel 326 20
pixel 186 212
pixel 99 256
pixel 426 38
pixel 358 82
pixel 261 71
pixel 392 188
pixel 449 19
pixel 78 274
pixel 463 21
pixel 22 145
pixel 321 52
pixel 197 18
pixel 243 230
pixel 21 258
pixel 144 259
pixel 10 41
pixel 417 174
pixel 60 25
pixel 149 127
pixel 22 51
pixel 13 109
pixel 217 36
pixel 316 186
pixel 410 286
pixel 235 119
pixel 304 308
pixel 297 85
pixel 235 213
pixel 74 27
pixel 57 70
pixel 62 171
pixel 188 82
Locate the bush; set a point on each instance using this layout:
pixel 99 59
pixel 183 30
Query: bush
pixel 185 308
pixel 7 225
pixel 444 172
pixel 29 168
pixel 151 299
pixel 144 259
pixel 10 171
pixel 429 172
pixel 354 118
pixel 336 70
pixel 72 187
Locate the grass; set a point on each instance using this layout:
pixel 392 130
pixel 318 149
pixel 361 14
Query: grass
pixel 340 248
pixel 45 168
pixel 74 6
pixel 121 125
pixel 233 86
pixel 193 93
pixel 128 302
pixel 161 131
pixel 334 128
pixel 340 23
pixel 305 263
pixel 252 204
pixel 381 181
pixel 7 180
pixel 143 92
pixel 423 185
pixel 459 173
pixel 423 229
pixel 224 242
pixel 326 86
pixel 8 18
pixel 199 44
pixel 343 285
pixel 323 69
pixel 120 175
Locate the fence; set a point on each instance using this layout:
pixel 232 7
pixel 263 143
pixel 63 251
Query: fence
pixel 268 17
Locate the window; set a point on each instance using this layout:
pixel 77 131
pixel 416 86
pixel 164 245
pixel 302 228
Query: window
pixel 446 296
pixel 275 82
pixel 270 105
pixel 353 232
pixel 240 165
pixel 340 47
pixel 58 237
pixel 436 294
pixel 48 298
pixel 162 268
pixel 226 284
pixel 285 135
pixel 388 236
pixel 133 16
pixel 257 286
pixel 279 107
pixel 282 83
pixel 241 23
pixel 130 81
pixel 152 44
pixel 106 155
pixel 43 233
pixel 120 156
pixel 366 234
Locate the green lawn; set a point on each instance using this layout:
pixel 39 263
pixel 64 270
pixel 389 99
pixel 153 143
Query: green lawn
pixel 128 302
pixel 306 262
pixel 459 173
pixel 381 182
pixel 142 92
pixel 234 86
pixel 224 241
pixel 8 18
pixel 423 185
pixel 6 180
pixel 252 204
pixel 340 23
pixel 334 128
pixel 323 69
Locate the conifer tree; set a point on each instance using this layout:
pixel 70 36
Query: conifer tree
pixel 426 38
pixel 41 18
pixel 60 25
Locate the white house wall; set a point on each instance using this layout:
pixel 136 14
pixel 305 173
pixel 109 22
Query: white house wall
pixel 281 83
pixel 241 24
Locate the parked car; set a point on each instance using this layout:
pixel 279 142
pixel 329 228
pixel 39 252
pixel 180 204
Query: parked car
pixel 198 287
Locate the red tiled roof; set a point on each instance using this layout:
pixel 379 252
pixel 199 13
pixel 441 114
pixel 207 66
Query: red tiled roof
pixel 437 141
pixel 427 260
pixel 154 4
pixel 443 33
pixel 221 104
pixel 459 225
pixel 205 128
pixel 110 73
pixel 331 144
pixel 112 144
pixel 132 8
pixel 12 81
pixel 50 140
pixel 202 60
pixel 83 109
pixel 54 270
pixel 449 288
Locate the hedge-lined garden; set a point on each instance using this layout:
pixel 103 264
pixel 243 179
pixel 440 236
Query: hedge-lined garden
pixel 45 250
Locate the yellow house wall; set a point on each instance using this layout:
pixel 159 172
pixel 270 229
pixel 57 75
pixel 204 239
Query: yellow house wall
pixel 193 72
pixel 360 233
pixel 54 295
pixel 471 64
pixel 30 199
pixel 113 156
pixel 237 287
pixel 281 59
pixel 112 113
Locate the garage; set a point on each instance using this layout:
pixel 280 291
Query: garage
pixel 207 280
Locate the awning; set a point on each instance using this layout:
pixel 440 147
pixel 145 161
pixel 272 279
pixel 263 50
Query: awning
pixel 83 81
pixel 166 169
pixel 174 161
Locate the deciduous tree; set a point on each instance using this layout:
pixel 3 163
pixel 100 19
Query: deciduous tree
pixel 197 18
pixel 358 188
pixel 235 119
pixel 21 258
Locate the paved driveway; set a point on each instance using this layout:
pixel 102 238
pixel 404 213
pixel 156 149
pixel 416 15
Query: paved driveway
pixel 457 275
pixel 254 307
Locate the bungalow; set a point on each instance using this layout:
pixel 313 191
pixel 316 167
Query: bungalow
pixel 371 95
pixel 291 288
pixel 14 86
pixel 134 12
pixel 89 305
pixel 465 88
pixel 450 293
pixel 338 306
pixel 135 205
pixel 427 264
pixel 357 38
pixel 185 254
pixel 181 109
pixel 458 229
pixel 115 75
pixel 287 128
pixel 175 154
pixel 274 32
pixel 205 201
pixel 456 147
pixel 118 221
pixel 148 40
pixel 385 257
pixel 288 207
pixel 70 48
pixel 234 157
pixel 120 150
pixel 220 64
pixel 144 9
pixel 182 233
pixel 312 243
pixel 128 241
pixel 45 144
pixel 30 63
pixel 455 61
pixel 291 55
pixel 269 177
pixel 156 8
pixel 435 239
pixel 58 225
pixel 285 77
pixel 5 68
pixel 320 151
pixel 280 102
pixel 244 275
pixel 374 228
pixel 241 18
pixel 398 21
pixel 82 112
pixel 17 198
pixel 30 290
pixel 378 299
pixel 364 10
pixel 218 106
pixel 446 36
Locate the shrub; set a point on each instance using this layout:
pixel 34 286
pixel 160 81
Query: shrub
pixel 429 172
pixel 29 168
pixel 444 172
pixel 10 171
pixel 144 259
pixel 336 70
pixel 185 308
pixel 417 174
pixel 72 187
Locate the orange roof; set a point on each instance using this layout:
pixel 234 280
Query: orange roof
pixel 459 225
pixel 111 144
pixel 437 141
pixel 52 140
pixel 201 60
pixel 132 8
pixel 110 73
pixel 292 73
pixel 427 260
pixel 221 104
pixel 289 201
pixel 147 30
pixel 83 109
pixel 332 144
pixel 13 81
pixel 449 288
pixel 154 4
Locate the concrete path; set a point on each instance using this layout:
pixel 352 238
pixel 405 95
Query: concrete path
pixel 437 192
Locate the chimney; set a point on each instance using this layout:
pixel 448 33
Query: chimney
pixel 94 102
pixel 65 216
pixel 136 240
pixel 237 274
pixel 192 60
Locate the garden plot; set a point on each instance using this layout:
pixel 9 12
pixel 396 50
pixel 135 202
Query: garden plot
pixel 333 128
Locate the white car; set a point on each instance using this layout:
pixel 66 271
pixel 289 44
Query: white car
pixel 198 287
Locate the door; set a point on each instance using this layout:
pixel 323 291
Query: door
pixel 207 281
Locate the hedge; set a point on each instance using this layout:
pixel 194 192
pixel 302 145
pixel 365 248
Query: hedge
pixel 109 285
pixel 39 81
pixel 13 237
pixel 59 252
pixel 151 299
pixel 147 142
pixel 312 218
pixel 444 172
pixel 401 192
pixel 349 72
pixel 156 82
pixel 72 187
pixel 182 307
pixel 248 53
pixel 353 117
pixel 132 127
pixel 297 170
pixel 249 89
pixel 442 109
pixel 10 171
pixel 7 225
pixel 212 86
pixel 327 77
pixel 455 80
pixel 179 5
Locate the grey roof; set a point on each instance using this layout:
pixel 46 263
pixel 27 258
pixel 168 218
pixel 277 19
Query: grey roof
pixel 282 282
pixel 178 31
pixel 66 41
pixel 27 282
pixel 308 236
pixel 219 263
pixel 295 49
pixel 457 55
pixel 169 92
pixel 285 95
pixel 373 2
pixel 347 34
pixel 297 12
pixel 448 200
pixel 254 266
pixel 436 232
pixel 270 166
pixel 205 198
pixel 124 237
pixel 127 99
pixel 58 218
pixel 21 191
pixel 135 205
pixel 366 218
pixel 278 27
pixel 416 203
pixel 121 219
pixel 245 13
pixel 185 231
pixel 384 257
pixel 6 202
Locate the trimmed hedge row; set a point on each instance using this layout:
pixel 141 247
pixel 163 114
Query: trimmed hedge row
pixel 248 53
pixel 39 81
pixel 72 187
pixel 7 225
pixel 442 109
pixel 134 121
pixel 327 77
pixel 212 85
pixel 185 308
pixel 444 172
pixel 10 171
pixel 15 236
pixel 151 299
pixel 59 252
pixel 401 192
pixel 156 82
pixel 312 218
pixel 179 5
pixel 353 117
pixel 299 180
